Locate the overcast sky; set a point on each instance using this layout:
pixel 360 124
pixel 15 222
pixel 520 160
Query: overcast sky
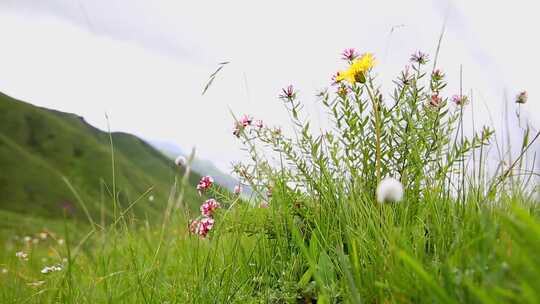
pixel 145 62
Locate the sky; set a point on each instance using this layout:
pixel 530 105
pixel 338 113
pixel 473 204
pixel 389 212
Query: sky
pixel 145 63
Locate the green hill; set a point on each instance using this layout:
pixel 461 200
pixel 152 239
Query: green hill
pixel 38 147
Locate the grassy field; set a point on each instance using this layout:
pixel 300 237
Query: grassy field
pixel 315 230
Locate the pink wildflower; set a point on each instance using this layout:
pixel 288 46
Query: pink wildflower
pixel 460 100
pixel 237 189
pixel 205 183
pixel 205 225
pixel 259 124
pixel 419 57
pixel 246 120
pixel 208 207
pixel 435 100
pixel 194 226
pixel 288 93
pixel 437 75
pixel 349 54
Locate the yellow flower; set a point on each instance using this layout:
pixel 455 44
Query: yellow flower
pixel 357 70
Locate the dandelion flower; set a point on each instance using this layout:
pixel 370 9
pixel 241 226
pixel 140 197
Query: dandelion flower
pixel 357 69
pixel 389 190
pixel 207 209
pixel 180 161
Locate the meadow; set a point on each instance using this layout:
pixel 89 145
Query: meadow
pixel 392 204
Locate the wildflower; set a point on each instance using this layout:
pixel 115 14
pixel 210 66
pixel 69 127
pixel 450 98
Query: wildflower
pixel 342 91
pixel 61 242
pixel 288 93
pixel 357 69
pixel 50 269
pixel 193 226
pixel 246 120
pixel 151 198
pixel 435 100
pixel 205 183
pixel 22 255
pixel 4 271
pixel 27 239
pixel 180 161
pixel 334 79
pixel 349 54
pixel 202 226
pixel 237 189
pixel 259 124
pixel 419 57
pixel 406 76
pixel 207 209
pixel 522 97
pixel 460 100
pixel 389 190
pixel 237 129
pixel 437 75
pixel 43 235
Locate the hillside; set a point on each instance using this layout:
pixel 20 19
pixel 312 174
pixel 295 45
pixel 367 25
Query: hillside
pixel 38 147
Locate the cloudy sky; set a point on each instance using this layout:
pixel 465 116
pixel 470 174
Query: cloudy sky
pixel 145 62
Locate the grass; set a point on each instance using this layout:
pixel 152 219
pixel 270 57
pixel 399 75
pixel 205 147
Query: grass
pixel 462 233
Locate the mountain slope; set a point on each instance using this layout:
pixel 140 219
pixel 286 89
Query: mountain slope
pixel 38 147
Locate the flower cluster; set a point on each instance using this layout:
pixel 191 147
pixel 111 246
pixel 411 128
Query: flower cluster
pixel 357 69
pixel 204 184
pixel 208 207
pixel 245 122
pixel 202 225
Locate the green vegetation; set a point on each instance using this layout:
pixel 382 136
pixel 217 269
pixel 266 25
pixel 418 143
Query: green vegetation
pixel 314 230
pixel 44 152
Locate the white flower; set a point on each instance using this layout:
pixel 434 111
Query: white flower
pixel 61 242
pixel 180 161
pixel 22 255
pixel 4 270
pixel 151 198
pixel 389 190
pixel 43 235
pixel 49 269
pixel 27 239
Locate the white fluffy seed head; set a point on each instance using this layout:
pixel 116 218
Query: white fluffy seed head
pixel 389 190
pixel 180 161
